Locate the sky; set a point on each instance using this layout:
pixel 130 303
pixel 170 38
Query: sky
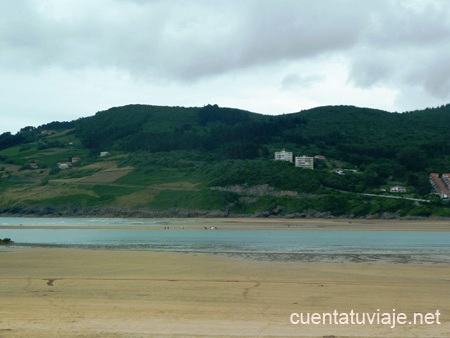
pixel 65 59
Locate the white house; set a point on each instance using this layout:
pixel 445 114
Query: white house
pixel 104 153
pixel 64 165
pixel 398 189
pixel 338 171
pixel 284 156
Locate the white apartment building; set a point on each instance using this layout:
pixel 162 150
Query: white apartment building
pixel 284 156
pixel 304 162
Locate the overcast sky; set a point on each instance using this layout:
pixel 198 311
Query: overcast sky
pixel 64 59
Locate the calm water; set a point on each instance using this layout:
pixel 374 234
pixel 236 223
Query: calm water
pixel 434 246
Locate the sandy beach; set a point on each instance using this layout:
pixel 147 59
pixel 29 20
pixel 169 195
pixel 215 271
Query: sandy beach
pixel 98 293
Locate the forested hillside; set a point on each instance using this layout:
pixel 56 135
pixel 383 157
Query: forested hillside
pixel 211 160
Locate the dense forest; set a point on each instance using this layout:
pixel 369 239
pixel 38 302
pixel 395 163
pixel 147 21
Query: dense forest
pixel 214 147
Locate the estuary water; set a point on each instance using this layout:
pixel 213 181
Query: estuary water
pixel 307 245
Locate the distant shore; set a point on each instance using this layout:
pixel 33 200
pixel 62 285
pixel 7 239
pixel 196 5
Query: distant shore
pixel 252 223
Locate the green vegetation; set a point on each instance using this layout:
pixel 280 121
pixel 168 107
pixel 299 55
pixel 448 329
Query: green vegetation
pixel 220 160
pixel 204 199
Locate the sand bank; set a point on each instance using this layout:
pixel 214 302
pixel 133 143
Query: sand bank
pixel 263 224
pixel 86 293
pixel 333 224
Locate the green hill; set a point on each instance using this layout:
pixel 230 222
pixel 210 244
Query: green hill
pixel 212 161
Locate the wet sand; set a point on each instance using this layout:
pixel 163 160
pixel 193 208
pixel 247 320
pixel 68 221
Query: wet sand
pixel 266 224
pixel 98 293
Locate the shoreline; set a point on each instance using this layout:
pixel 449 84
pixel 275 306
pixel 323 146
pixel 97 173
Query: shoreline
pixel 107 293
pixel 240 223
pixel 275 257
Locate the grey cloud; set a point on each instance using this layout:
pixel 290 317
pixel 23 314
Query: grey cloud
pixel 294 81
pixel 300 29
pixel 370 67
pixel 176 39
pixel 434 75
pixel 405 46
pixel 409 23
pixel 383 41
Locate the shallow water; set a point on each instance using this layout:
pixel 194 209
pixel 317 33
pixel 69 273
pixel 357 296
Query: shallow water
pixel 286 245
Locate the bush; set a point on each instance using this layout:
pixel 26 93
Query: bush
pixel 54 171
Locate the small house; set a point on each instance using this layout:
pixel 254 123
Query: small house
pixel 64 165
pixel 398 189
pixel 338 171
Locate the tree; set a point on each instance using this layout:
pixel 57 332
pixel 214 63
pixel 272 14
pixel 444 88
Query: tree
pixel 412 158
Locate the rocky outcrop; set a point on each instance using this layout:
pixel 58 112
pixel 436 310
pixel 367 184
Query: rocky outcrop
pixel 6 241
